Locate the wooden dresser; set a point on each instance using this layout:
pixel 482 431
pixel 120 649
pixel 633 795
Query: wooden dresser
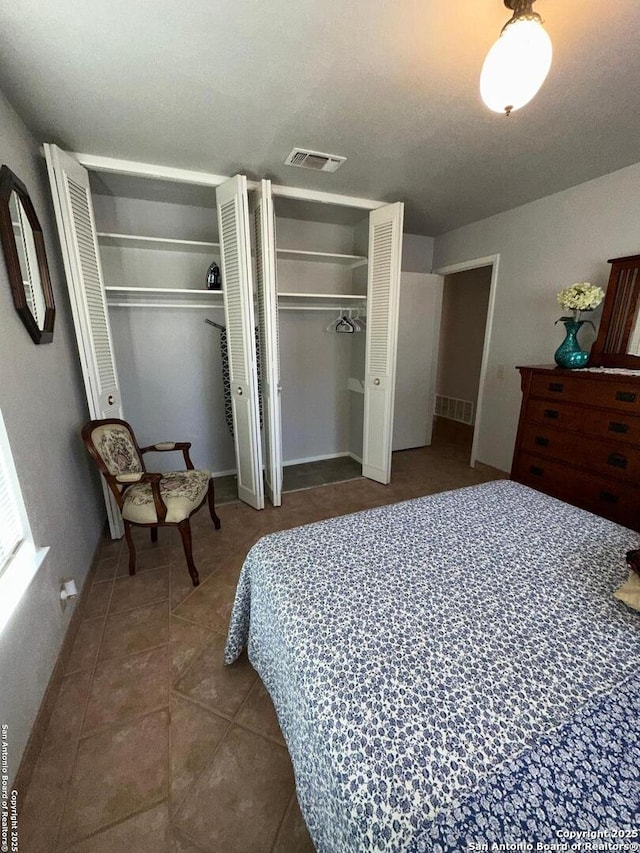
pixel 579 439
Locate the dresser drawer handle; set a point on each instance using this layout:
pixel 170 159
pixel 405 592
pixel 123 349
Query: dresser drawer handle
pixel 608 497
pixel 535 469
pixel 618 460
pixel 556 386
pixel 554 414
pixel 616 426
pixel 626 396
pixel 541 441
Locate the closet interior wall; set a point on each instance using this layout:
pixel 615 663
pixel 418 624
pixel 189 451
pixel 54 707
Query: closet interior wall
pixel 322 417
pixel 168 358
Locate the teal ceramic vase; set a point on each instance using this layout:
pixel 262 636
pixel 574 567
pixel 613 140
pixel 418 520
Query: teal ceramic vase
pixel 569 354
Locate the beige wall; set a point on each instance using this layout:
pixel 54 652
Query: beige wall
pixel 43 405
pixel 464 312
pixel 543 246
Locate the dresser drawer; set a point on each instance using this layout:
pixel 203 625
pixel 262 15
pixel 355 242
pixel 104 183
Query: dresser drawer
pixel 610 459
pixel 618 396
pixel 612 499
pixel 619 427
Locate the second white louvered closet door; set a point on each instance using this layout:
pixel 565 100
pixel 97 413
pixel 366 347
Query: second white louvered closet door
pixel 383 292
pixel 267 301
pixel 76 227
pixel 237 288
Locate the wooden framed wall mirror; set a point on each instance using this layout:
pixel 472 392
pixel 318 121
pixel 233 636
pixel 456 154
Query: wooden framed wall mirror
pixel 618 341
pixel 26 258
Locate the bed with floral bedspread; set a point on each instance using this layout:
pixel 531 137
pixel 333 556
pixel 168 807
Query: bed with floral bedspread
pixel 451 671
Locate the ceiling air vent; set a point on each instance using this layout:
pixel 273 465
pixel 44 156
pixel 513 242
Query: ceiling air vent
pixel 315 160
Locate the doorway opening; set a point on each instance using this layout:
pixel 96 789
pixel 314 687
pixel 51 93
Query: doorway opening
pixel 462 348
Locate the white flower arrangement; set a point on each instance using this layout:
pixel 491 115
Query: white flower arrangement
pixel 582 296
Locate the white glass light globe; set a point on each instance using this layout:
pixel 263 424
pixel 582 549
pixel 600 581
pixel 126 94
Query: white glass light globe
pixel 516 66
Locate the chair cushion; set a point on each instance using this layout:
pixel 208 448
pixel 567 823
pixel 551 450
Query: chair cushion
pixel 181 491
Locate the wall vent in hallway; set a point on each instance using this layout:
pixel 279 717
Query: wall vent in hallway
pixel 455 410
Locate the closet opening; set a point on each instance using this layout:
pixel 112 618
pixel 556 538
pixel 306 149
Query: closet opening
pixel 461 353
pixel 322 293
pixel 142 243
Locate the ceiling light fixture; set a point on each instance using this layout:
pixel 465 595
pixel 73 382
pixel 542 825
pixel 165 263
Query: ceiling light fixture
pixel 518 62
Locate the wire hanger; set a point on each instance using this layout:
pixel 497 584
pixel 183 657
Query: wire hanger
pixel 359 322
pixel 345 325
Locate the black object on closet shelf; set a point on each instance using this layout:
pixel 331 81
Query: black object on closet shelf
pixel 214 282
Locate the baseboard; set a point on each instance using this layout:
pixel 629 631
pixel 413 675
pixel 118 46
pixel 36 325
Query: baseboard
pixel 302 461
pixel 41 723
pixel 320 458
pixel 224 473
pixel 489 469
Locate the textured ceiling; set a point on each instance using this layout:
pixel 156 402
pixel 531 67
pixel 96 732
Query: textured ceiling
pixel 231 85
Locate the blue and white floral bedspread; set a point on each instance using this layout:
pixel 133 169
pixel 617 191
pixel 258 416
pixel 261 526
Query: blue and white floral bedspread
pixel 450 671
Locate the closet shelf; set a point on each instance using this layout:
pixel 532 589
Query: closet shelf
pixel 164 244
pixel 162 290
pixel 335 297
pixel 162 297
pixel 352 261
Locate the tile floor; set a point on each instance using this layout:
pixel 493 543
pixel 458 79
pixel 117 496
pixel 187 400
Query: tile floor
pixel 295 477
pixel 153 744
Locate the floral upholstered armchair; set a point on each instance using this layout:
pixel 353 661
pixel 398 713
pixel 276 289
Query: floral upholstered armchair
pixel 146 499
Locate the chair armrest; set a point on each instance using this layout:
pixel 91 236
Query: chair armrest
pixel 161 507
pixel 154 481
pixel 129 478
pixel 172 445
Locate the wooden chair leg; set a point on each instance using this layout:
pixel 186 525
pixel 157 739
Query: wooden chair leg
pixel 212 505
pixel 132 548
pixel 154 534
pixel 185 532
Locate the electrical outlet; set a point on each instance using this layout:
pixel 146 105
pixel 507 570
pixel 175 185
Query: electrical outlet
pixel 500 372
pixel 68 590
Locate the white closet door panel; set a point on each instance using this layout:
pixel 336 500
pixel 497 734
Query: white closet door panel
pixel 418 334
pixel 267 290
pixel 76 227
pixel 237 287
pixel 383 290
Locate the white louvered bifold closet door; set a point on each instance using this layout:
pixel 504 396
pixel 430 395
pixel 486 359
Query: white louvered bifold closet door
pixel 267 293
pixel 237 288
pixel 79 243
pixel 383 292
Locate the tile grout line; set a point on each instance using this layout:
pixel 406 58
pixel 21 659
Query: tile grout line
pixel 198 656
pixel 215 631
pixel 108 826
pixel 84 714
pixel 105 728
pixel 288 809
pixel 132 654
pixel 189 788
pixel 202 706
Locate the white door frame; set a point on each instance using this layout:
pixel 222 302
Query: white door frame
pixel 492 261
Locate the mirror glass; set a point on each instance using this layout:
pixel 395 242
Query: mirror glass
pixel 618 341
pixel 634 340
pixel 25 258
pixel 28 259
pixel 633 347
